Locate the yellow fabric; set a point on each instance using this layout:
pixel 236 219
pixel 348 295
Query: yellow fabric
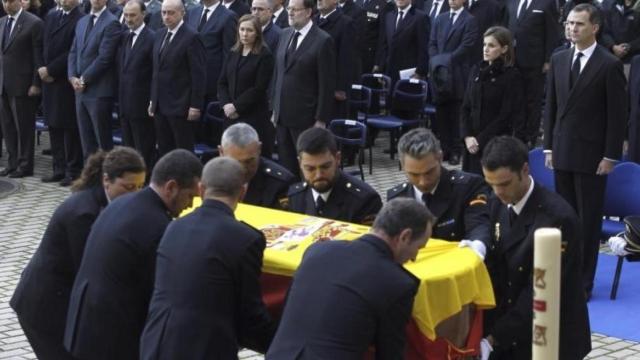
pixel 450 277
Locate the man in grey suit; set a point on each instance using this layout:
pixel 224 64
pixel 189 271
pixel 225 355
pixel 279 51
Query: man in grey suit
pixel 20 58
pixel 304 80
pixel 92 74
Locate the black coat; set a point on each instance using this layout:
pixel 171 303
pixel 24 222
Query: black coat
pixel 510 263
pixel 244 82
pixel 111 293
pixel 634 115
pixel 45 285
pixel 375 11
pixel 271 36
pixel 345 311
pixel 207 300
pixel 621 27
pixel 283 19
pixel 536 33
pixel 135 71
pixel 269 186
pixel 239 7
pixel 58 97
pixel 459 205
pixel 492 107
pixel 359 17
pixel 342 30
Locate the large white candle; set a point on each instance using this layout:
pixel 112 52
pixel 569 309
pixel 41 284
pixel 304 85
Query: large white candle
pixel 546 293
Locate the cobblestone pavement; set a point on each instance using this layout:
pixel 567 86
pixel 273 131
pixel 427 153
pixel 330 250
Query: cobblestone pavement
pixel 25 214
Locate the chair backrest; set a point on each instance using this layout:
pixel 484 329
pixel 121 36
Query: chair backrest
pixel 622 196
pixel 359 100
pixel 349 132
pixel 409 95
pixel 377 83
pixel 540 173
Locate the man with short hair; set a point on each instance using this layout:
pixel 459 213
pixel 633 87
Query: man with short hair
pixel 355 294
pixel 327 191
pixel 263 10
pixel 457 199
pixel 207 300
pixel 519 208
pixel 280 14
pixel 110 297
pixel 267 180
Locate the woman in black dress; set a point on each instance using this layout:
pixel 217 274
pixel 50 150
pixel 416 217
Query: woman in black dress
pixel 492 103
pixel 244 82
pixel 41 298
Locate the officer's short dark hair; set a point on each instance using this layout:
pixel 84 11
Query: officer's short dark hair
pixel 309 4
pixel 179 165
pixel 140 3
pixel 315 141
pixel 403 213
pixel 594 14
pixel 418 143
pixel 223 176
pixel 505 151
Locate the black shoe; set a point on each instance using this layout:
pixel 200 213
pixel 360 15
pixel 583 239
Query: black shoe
pixel 6 171
pixel 454 159
pixel 20 174
pixel 67 181
pixel 53 178
pixel 46 151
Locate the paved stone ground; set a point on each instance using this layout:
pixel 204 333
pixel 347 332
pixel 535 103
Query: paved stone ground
pixel 25 214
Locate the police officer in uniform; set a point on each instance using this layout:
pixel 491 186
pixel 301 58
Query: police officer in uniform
pixel 268 180
pixel 327 191
pixel 375 10
pixel 457 199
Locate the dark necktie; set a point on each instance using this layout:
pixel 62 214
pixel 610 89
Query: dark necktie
pixel 322 21
pixel 92 18
pixel 513 216
pixel 165 42
pixel 127 49
pixel 320 205
pixel 63 17
pixel 400 15
pixel 7 32
pixel 523 8
pixel 449 24
pixel 575 70
pixel 292 47
pixel 426 199
pixel 203 19
pixel 434 10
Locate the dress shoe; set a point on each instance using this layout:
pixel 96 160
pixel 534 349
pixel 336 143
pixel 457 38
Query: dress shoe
pixel 53 178
pixel 20 174
pixel 46 151
pixel 6 171
pixel 67 181
pixel 454 159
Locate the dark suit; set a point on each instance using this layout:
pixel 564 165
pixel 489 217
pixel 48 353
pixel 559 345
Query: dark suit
pixel 351 200
pixel 154 20
pixel 375 11
pixel 20 58
pixel 510 263
pixel 271 36
pixel 239 7
pixel 58 98
pixel 459 204
pixel 457 42
pixel 244 82
pixel 344 312
pixel 92 57
pixel 404 47
pixel 178 84
pixel 634 105
pixel 433 13
pixel 303 89
pixel 111 292
pixel 46 282
pixel 359 17
pixel 282 20
pixel 623 27
pixel 582 126
pixel 269 186
pixel 207 300
pixel 536 34
pixel 135 71
pixel 487 13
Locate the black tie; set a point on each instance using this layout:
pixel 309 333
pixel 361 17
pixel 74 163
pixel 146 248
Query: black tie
pixel 434 10
pixel 426 198
pixel 522 9
pixel 320 204
pixel 292 47
pixel 63 16
pixel 89 27
pixel 127 49
pixel 575 69
pixel 7 32
pixel 203 20
pixel 400 15
pixel 322 21
pixel 513 216
pixel 165 42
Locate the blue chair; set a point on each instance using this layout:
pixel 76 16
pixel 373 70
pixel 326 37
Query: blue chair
pixel 116 129
pixel 359 102
pixel 350 133
pixel 429 110
pixel 540 173
pixel 41 126
pixel 380 86
pixel 622 198
pixel 215 115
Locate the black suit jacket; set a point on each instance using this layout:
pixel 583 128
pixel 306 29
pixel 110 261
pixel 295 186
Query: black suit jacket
pixel 487 13
pixel 239 7
pixel 206 300
pixel 351 200
pixel 510 263
pixel 179 74
pixel 45 285
pixel 20 55
pixel 406 46
pixel 359 17
pixel 269 186
pixel 244 82
pixel 303 87
pixel 283 19
pixel 271 36
pixel 459 205
pixel 375 11
pixel 634 105
pixel 135 71
pixel 586 123
pixel 58 97
pixel 111 293
pixel 428 4
pixel 536 33
pixel 350 312
pixel 341 29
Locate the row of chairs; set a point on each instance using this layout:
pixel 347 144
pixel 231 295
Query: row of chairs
pixel 622 198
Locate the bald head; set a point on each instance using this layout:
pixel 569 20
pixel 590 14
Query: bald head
pixel 223 178
pixel 172 13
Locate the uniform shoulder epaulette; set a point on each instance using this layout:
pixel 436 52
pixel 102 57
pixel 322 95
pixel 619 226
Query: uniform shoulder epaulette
pixel 277 171
pixel 297 188
pixel 460 177
pixel 357 187
pixel 396 190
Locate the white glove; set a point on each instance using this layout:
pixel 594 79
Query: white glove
pixel 476 245
pixel 617 245
pixel 485 349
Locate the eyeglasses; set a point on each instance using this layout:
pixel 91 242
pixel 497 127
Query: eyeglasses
pixel 293 10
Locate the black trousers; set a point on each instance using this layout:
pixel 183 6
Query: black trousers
pixel 585 193
pixel 94 123
pixel 18 122
pixel 140 134
pixel 46 346
pixel 447 127
pixel 173 133
pixel 533 81
pixel 288 156
pixel 66 151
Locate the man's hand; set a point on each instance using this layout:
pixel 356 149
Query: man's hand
pixel 76 84
pixel 620 50
pixel 228 109
pixel 605 167
pixel 548 161
pixel 33 91
pixel 340 95
pixel 194 114
pixel 545 67
pixel 150 109
pixel 375 69
pixel 477 246
pixel 42 72
pixel 319 124
pixel 485 349
pixel 472 144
